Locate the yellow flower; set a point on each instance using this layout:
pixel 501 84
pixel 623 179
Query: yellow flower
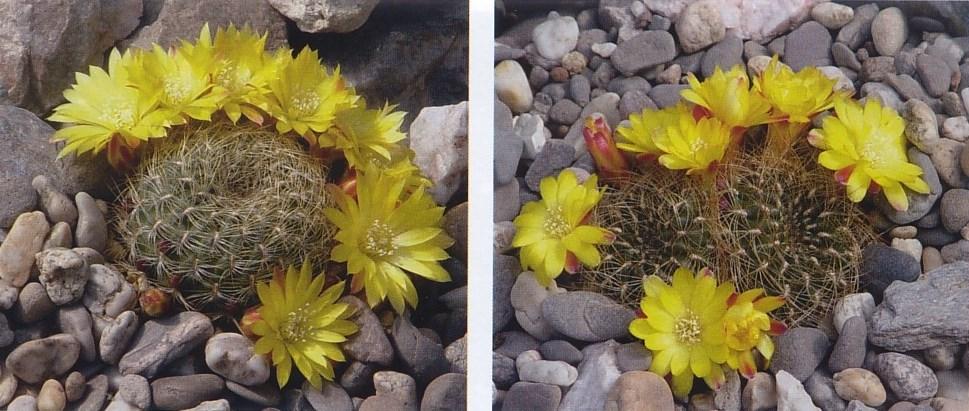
pixel 301 323
pixel 866 148
pixel 648 127
pixel 385 232
pixel 683 327
pixel 728 97
pixel 552 232
pixel 184 90
pixel 102 111
pixel 796 97
pixel 241 69
pixel 694 145
pixel 365 135
pixel 305 97
pixel 748 327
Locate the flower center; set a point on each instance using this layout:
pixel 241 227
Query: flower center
pixel 687 329
pixel 120 113
pixel 296 326
pixel 380 239
pixel 232 77
pixel 555 224
pixel 742 334
pixel 306 103
pixel 175 89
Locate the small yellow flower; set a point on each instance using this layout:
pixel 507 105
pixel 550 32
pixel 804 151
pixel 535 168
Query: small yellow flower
pixel 683 327
pixel 387 229
pixel 552 232
pixel 648 127
pixel 796 97
pixel 866 148
pixel 305 97
pixel 241 69
pixel 728 97
pixel 748 327
pixel 300 323
pixel 103 111
pixel 365 135
pixel 184 90
pixel 697 146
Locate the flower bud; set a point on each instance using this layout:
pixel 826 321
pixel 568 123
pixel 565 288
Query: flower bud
pixel 154 302
pixel 598 140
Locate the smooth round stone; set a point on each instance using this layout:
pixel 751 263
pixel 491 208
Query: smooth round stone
pixel 555 36
pixel 832 15
pixel 641 391
pixel 760 394
pixel 548 372
pixel 850 349
pixel 942 357
pixel 909 379
pixel 51 397
pixel 512 86
pixel 889 31
pixel 860 384
pixel 700 25
pixel 37 360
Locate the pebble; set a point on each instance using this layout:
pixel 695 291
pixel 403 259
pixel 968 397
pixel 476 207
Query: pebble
pixel 842 83
pixel 33 304
pixel 555 36
pixel 107 293
pixel 232 356
pixel 860 384
pixel 422 357
pixel 758 64
pixel 76 321
pixel 532 130
pixel 503 371
pixel 882 265
pixel 727 397
pixel 906 62
pixel 538 77
pixel 877 69
pixel 64 273
pixel 8 386
pixel 634 357
pixel 331 398
pixel 947 157
pixel 37 360
pixel 512 86
pixel 587 316
pixel 931 259
pixel 953 385
pixel 920 205
pixel 645 50
pixel 369 344
pixel 799 351
pixel 850 348
pixel 808 45
pixel 725 54
pixel 135 391
pixel 954 209
pixel 624 85
pixel 116 336
pixel 24 402
pixel 60 237
pixel 220 405
pixel 941 357
pixel 759 394
pixel 671 75
pixel 791 395
pixel 554 157
pixel 508 152
pixel 558 75
pixel 904 232
pixel 6 334
pixel 56 205
pixel 884 93
pixel 92 229
pixel 565 111
pixel 23 241
pixel 446 392
pixel 505 272
pixel 958 251
pixel 754 49
pixel 921 127
pixel 820 387
pixel 889 30
pixel 956 128
pixel 935 74
pixel 604 50
pixel 357 379
pixel 574 62
pixel 909 88
pixel 548 372
pixel 777 45
pixel 397 385
pixel 265 395
pixel 858 30
pixel 858 406
pixel 639 390
pixel 908 379
pixel 666 95
pixel 560 350
pixel 181 392
pixel 635 102
pixel 699 25
pixel 457 355
pixel 513 343
pixel 598 372
pixel 832 15
pixel 51 397
pixel 527 296
pixel 161 341
pixel 527 396
pixel 74 386
pixel 952 105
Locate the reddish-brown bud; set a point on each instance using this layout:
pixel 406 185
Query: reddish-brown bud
pixel 154 302
pixel 598 140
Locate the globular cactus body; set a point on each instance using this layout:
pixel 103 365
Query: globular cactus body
pixel 209 214
pixel 766 222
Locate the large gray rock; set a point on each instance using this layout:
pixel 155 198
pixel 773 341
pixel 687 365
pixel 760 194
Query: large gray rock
pixel 26 152
pixel 423 358
pixel 314 16
pixel 925 313
pixel 909 379
pixel 37 360
pixel 63 273
pixel 43 42
pixel 587 316
pixel 166 22
pixel 799 351
pixel 181 392
pixel 159 342
pixel 439 138
pixel 643 51
pixel 370 343
pixel 598 372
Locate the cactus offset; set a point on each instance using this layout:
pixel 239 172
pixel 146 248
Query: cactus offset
pixel 774 223
pixel 208 214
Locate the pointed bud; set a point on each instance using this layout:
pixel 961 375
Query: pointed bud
pixel 248 320
pixel 598 140
pixel 154 302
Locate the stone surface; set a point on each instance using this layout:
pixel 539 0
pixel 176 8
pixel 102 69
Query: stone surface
pixel 725 54
pixel 907 378
pixel 641 391
pixel 57 206
pixel 446 392
pixel 422 357
pixel 858 31
pixel 556 36
pixel 889 30
pixel 116 336
pixel 586 316
pixel 51 397
pixel 942 357
pixel 76 321
pixel 161 341
pixel 554 157
pixel 921 127
pixel 646 50
pixel 919 205
pixel 526 396
pixel 935 74
pixel 808 45
pixel 832 15
pixel 634 357
pixel 924 313
pixel 560 350
pixel 439 138
pixel 314 16
pixel 860 384
pixel 33 304
pixel 60 237
pixel 134 391
pixel 92 229
pixel 954 209
pixel 181 392
pixel 512 87
pixel 232 356
pixel 63 273
pixel 760 393
pixel 74 386
pixel 850 348
pixel 799 351
pixel 107 292
pixel 369 344
pixel 331 398
pixel 24 402
pixel 506 270
pixel 598 373
pixel 167 21
pixel 882 265
pixel 548 372
pixel 17 251
pixel 527 296
pixel 791 395
pixel 37 360
pixel 699 25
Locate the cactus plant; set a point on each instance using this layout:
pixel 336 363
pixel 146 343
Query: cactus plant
pixel 209 213
pixel 775 223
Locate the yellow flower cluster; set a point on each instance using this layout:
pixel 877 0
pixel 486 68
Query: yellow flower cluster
pixel 145 92
pixel 864 145
pixel 697 328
